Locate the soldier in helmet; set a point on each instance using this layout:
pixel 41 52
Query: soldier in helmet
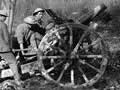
pixel 38 14
pixel 28 34
pixel 5 50
pixel 24 32
pixel 39 27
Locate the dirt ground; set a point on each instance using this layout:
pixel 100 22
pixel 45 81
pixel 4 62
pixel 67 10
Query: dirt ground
pixel 109 81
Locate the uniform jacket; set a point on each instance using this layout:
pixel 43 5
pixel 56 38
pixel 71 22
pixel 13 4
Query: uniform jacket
pixel 23 33
pixel 31 35
pixel 4 38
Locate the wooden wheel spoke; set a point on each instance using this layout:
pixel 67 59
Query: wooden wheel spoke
pixel 96 69
pixel 91 56
pixel 72 77
pixel 83 74
pixel 52 57
pixel 52 68
pixel 62 72
pixel 71 36
pixel 79 42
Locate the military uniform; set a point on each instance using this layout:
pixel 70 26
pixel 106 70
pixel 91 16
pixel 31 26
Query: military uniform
pixel 5 51
pixel 29 36
pixel 23 34
pixel 4 38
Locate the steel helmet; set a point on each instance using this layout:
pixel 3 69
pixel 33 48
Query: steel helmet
pixel 38 10
pixel 29 20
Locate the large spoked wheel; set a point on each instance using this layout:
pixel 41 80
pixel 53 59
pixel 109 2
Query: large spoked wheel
pixel 71 64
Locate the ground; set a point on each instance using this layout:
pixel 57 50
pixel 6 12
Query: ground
pixel 109 82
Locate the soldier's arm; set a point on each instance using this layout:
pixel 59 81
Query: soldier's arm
pixel 20 36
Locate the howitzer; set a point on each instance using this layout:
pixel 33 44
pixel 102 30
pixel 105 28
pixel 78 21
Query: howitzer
pixel 77 56
pixel 54 17
pixel 92 15
pixel 72 55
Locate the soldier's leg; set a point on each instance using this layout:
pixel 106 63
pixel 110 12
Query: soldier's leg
pixel 11 60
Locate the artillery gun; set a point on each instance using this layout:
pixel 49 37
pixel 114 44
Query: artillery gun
pixel 74 54
pixel 70 55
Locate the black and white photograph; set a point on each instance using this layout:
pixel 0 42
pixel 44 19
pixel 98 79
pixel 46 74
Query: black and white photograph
pixel 59 44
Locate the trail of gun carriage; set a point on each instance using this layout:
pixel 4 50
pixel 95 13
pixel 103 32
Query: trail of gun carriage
pixel 79 51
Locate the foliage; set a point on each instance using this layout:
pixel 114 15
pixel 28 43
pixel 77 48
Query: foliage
pixel 65 8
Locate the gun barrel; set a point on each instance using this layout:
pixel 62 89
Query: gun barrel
pixel 85 19
pixel 100 8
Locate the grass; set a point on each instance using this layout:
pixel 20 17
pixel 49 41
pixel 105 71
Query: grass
pixel 64 7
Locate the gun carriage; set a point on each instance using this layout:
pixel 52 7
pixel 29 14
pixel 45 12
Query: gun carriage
pixel 70 54
pixel 73 54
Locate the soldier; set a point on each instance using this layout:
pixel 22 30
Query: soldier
pixel 28 35
pixel 38 14
pixel 39 27
pixel 24 32
pixel 5 51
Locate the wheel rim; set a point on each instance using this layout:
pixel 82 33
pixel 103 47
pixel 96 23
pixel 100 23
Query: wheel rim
pixel 69 68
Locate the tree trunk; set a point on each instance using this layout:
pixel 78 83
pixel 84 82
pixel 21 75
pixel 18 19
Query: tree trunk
pixel 11 14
